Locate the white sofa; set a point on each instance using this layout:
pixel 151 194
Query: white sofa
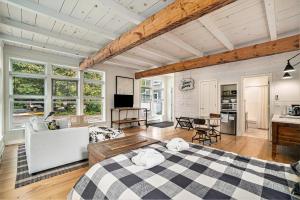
pixel 51 148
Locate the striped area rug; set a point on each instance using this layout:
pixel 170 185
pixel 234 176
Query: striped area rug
pixel 24 178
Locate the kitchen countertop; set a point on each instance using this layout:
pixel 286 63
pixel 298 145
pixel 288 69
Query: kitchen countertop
pixel 283 119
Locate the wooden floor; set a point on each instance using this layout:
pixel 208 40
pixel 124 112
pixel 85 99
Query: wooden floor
pixel 59 186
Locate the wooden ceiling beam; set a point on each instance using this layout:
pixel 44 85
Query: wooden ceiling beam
pixel 174 15
pixel 254 51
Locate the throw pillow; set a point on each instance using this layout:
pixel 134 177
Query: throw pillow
pixel 63 123
pixel 38 124
pixel 53 125
pixel 296 167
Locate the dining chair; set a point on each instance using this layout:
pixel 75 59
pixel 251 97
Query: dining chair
pixel 214 124
pixel 201 131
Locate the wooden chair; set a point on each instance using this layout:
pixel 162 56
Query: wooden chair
pixel 201 131
pixel 214 124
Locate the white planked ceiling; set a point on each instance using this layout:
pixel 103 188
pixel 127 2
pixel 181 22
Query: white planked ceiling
pixel 240 23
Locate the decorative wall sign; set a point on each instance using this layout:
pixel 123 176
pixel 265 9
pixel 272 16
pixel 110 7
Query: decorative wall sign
pixel 187 84
pixel 124 85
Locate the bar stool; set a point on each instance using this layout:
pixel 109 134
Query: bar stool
pixel 214 125
pixel 201 132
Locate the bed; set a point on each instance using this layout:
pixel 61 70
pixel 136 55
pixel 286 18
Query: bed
pixel 199 172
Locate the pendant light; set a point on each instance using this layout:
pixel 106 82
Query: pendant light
pixel 289 67
pixel 287 76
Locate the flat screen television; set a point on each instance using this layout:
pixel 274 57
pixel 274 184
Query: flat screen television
pixel 122 100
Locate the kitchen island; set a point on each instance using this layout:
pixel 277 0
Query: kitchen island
pixel 285 131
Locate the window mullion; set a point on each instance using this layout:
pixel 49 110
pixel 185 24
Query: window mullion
pixel 48 91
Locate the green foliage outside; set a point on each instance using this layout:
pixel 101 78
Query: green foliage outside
pixel 28 86
pixel 61 88
pixel 92 76
pixel 92 107
pixel 63 71
pixel 145 83
pixel 64 88
pixel 64 107
pixel 93 90
pixel 28 68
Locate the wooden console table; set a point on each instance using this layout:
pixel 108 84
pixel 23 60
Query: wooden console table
pixel 120 121
pixel 109 148
pixel 286 134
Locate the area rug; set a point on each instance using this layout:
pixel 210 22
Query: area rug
pixel 24 178
pixel 162 124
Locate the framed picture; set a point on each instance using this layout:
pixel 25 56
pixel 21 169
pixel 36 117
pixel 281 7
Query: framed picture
pixel 124 85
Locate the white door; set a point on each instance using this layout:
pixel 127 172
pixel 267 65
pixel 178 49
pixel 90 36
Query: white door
pixel 208 97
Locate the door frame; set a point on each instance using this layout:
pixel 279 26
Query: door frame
pixel 242 104
pixel 199 94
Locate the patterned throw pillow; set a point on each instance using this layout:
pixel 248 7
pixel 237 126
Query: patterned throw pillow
pixel 99 134
pixel 53 125
pixel 296 167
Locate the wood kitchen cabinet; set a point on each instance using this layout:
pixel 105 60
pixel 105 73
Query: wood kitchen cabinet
pixel 286 134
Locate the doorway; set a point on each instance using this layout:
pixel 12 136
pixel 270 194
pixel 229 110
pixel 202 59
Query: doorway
pixel 256 94
pixel 208 96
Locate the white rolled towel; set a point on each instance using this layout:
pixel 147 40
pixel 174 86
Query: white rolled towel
pixel 177 144
pixel 148 158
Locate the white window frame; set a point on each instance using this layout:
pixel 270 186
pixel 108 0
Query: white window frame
pixel 48 99
pixel 101 99
pixel 12 97
pixel 65 78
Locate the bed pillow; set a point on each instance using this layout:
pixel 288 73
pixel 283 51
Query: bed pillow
pixel 296 167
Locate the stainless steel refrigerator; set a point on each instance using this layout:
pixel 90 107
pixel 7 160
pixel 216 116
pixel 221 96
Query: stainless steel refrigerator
pixel 228 123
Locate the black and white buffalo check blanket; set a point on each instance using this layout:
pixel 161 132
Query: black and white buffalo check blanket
pixel 199 172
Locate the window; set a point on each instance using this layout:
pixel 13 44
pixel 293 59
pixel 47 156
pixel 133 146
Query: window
pixel 64 88
pixel 152 96
pixel 35 89
pixel 27 93
pixel 93 95
pixel 64 91
pixel 65 72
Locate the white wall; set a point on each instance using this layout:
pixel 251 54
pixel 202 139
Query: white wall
pixel 187 103
pixel 14 136
pixel 1 99
pixel 111 72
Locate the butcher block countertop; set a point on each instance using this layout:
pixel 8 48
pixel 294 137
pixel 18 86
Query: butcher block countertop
pixel 286 119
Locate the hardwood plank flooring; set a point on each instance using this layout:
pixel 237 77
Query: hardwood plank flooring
pixel 58 187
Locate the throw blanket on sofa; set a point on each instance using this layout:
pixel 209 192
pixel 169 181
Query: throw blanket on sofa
pixel 99 134
pixel 199 172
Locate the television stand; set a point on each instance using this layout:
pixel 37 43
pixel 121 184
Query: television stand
pixel 120 121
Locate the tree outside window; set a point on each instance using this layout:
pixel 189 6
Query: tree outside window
pixel 28 91
pixel 93 95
